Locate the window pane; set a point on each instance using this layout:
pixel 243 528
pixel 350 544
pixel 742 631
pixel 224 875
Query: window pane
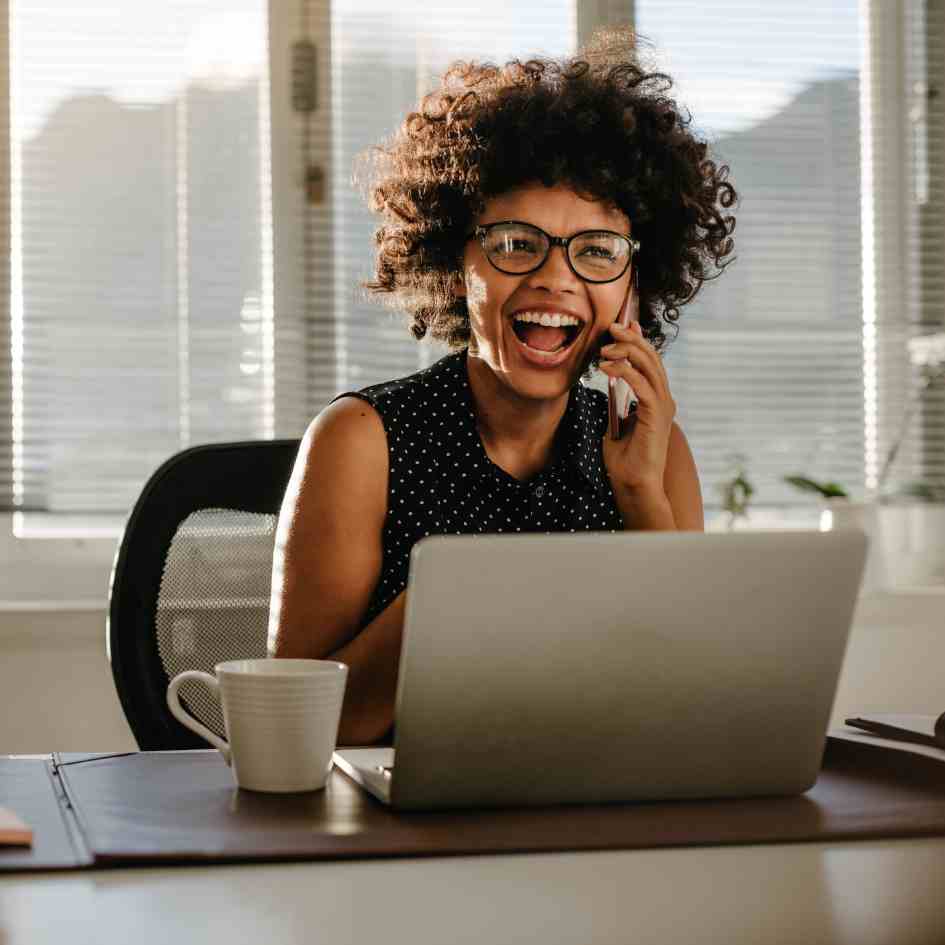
pixel 138 297
pixel 769 360
pixel 384 59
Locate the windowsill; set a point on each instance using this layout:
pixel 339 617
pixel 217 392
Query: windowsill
pixel 764 519
pixel 82 566
pixel 53 525
pixel 26 607
pixel 889 601
pixel 109 527
pixel 54 572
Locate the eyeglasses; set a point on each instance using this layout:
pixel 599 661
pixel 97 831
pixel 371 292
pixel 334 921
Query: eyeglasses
pixel 517 248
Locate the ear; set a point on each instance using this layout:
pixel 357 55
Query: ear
pixel 459 285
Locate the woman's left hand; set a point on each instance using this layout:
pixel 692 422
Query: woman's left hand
pixel 637 461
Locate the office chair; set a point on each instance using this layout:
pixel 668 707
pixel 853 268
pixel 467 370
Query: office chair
pixel 191 580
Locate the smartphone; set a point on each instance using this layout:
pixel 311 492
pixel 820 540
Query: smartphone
pixel 621 398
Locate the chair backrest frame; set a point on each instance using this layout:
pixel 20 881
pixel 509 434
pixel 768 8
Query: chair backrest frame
pixel 251 476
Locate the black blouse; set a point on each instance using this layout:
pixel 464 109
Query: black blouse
pixel 442 481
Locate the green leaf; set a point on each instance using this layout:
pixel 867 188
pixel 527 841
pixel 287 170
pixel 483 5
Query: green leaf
pixel 829 490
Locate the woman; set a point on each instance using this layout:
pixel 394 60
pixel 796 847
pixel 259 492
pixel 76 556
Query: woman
pixel 525 206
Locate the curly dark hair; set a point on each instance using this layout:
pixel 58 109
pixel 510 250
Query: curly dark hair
pixel 597 122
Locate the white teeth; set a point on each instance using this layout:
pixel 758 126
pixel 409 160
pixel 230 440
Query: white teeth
pixel 545 354
pixel 549 321
pixel 546 319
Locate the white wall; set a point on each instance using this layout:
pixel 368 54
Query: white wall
pixel 56 690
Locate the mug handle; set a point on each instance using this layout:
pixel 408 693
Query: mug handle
pixel 185 718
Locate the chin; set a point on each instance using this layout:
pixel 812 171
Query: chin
pixel 550 386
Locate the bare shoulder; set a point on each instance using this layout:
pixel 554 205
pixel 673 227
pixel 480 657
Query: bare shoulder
pixel 345 446
pixel 329 547
pixel 337 496
pixel 681 483
pixel 350 417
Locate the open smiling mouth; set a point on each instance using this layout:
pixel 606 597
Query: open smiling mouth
pixel 545 340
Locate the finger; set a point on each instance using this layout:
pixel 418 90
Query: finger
pixel 653 365
pixel 633 335
pixel 636 379
pixel 649 363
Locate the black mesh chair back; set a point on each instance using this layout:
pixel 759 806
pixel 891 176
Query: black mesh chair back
pixel 191 581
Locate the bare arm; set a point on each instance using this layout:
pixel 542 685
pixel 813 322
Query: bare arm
pixel 328 559
pixel 677 506
pixel 681 483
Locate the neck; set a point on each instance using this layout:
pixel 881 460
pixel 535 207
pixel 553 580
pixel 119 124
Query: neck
pixel 517 432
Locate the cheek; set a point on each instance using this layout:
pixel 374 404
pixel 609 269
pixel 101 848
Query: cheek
pixel 477 291
pixel 607 307
pixel 486 293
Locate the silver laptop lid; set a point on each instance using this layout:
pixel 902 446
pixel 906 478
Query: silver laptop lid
pixel 603 667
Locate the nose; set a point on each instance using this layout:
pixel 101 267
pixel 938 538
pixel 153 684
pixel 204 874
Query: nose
pixel 555 273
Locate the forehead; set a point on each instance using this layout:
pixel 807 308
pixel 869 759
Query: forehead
pixel 559 210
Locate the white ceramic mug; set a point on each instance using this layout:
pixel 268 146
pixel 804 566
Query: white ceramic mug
pixel 281 719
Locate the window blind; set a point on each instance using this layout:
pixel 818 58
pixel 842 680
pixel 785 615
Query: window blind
pixel 141 302
pixel 768 362
pixel 907 313
pixel 142 315
pixel 6 367
pixel 384 59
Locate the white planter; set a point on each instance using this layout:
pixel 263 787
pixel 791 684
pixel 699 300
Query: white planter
pixel 907 541
pixel 913 536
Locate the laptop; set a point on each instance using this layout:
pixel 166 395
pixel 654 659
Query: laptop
pixel 596 667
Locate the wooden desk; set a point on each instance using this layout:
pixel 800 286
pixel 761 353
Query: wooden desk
pixel 858 893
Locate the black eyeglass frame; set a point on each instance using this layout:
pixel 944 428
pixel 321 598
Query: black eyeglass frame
pixel 480 233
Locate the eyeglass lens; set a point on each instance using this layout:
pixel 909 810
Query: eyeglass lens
pixel 596 255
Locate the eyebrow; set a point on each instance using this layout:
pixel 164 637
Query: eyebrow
pixel 609 227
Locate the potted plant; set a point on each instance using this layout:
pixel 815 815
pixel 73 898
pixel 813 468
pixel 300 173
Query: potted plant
pixel 906 524
pixel 736 490
pixel 912 516
pixel 839 511
pixel 912 523
pixel 838 508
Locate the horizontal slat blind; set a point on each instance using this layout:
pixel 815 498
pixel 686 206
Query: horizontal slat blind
pixel 769 359
pixel 142 296
pixel 142 317
pixel 919 466
pixel 6 366
pixel 384 57
pixel 904 298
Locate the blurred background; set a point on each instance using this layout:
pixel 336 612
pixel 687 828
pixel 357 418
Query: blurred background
pixel 185 243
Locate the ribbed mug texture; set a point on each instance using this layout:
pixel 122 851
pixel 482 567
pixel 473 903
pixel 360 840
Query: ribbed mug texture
pixel 282 726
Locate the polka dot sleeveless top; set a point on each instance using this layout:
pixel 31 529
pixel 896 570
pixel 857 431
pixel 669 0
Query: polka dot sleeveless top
pixel 442 482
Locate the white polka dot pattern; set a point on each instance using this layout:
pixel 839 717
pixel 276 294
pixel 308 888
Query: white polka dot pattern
pixel 442 482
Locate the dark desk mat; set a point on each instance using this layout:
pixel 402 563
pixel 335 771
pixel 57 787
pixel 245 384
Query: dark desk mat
pixel 28 787
pixel 184 807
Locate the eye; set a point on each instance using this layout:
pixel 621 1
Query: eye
pixel 600 252
pixel 522 244
pixel 514 241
